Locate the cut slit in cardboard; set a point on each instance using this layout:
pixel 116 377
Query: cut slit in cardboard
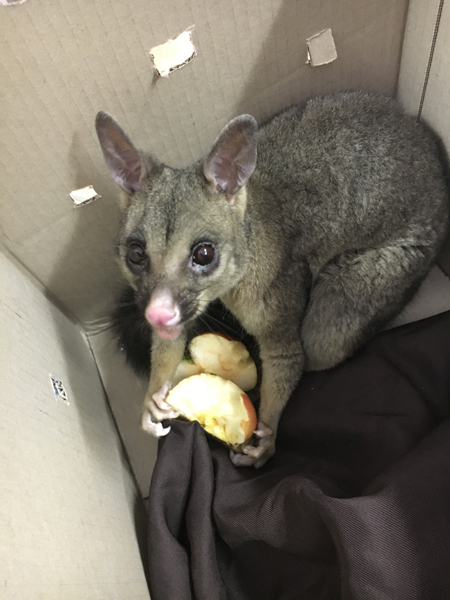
pixel 73 473
pixel 321 49
pixel 84 195
pixel 174 54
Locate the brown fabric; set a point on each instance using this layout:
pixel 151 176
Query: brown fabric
pixel 354 505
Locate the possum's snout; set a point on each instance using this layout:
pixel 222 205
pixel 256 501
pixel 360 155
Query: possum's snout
pixel 161 316
pixel 164 315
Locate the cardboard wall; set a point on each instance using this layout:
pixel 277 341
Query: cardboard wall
pixel 63 60
pixel 419 32
pixel 68 503
pixel 126 393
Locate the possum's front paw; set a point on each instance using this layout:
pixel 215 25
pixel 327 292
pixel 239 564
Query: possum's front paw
pixel 156 410
pixel 256 455
pixel 149 426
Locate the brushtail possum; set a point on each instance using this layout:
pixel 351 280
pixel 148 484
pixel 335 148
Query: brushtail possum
pixel 314 230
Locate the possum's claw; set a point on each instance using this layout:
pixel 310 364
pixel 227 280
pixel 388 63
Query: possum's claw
pixel 156 410
pixel 157 406
pixel 256 455
pixel 161 411
pixel 155 429
pixel 263 430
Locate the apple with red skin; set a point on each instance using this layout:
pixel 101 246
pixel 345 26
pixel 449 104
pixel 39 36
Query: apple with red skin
pixel 220 406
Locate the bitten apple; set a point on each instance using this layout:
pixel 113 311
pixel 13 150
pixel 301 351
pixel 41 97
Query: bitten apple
pixel 220 355
pixel 219 405
pixel 186 368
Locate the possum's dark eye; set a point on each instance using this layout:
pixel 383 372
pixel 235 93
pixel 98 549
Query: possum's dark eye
pixel 136 254
pixel 203 254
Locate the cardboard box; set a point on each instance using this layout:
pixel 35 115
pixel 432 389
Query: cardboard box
pixel 74 470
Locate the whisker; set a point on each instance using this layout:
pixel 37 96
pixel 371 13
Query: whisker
pixel 219 326
pixel 124 304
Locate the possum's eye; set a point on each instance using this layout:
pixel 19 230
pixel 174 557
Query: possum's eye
pixel 136 255
pixel 203 254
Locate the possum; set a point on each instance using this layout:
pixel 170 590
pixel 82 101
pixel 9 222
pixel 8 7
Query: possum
pixel 314 230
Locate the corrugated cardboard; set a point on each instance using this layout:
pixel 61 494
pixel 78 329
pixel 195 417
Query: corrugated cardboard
pixel 68 503
pixel 126 393
pixel 419 32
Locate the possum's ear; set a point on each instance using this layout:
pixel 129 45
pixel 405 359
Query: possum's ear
pixel 233 157
pixel 121 158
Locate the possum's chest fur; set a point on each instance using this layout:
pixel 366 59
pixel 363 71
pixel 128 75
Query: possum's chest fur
pixel 274 287
pixel 249 308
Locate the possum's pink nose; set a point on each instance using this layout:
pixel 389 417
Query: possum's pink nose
pixel 162 316
pixel 163 312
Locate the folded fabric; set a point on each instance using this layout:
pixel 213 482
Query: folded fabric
pixel 355 504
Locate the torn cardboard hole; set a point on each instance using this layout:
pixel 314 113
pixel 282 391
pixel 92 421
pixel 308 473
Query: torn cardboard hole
pixel 321 48
pixel 58 389
pixel 84 195
pixel 10 2
pixel 174 54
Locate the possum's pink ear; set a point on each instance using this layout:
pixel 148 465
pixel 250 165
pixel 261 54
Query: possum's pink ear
pixel 233 157
pixel 121 158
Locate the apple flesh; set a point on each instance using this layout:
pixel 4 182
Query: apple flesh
pixel 228 358
pixel 220 406
pixel 186 368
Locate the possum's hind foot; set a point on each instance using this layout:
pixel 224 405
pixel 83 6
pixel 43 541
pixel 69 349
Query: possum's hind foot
pixel 256 455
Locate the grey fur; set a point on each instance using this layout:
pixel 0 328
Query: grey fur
pixel 333 232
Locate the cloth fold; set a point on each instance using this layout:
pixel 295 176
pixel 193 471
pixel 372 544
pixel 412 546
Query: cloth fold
pixel 355 504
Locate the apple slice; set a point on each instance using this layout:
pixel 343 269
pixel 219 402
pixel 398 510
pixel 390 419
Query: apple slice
pixel 219 405
pixel 220 355
pixel 186 368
